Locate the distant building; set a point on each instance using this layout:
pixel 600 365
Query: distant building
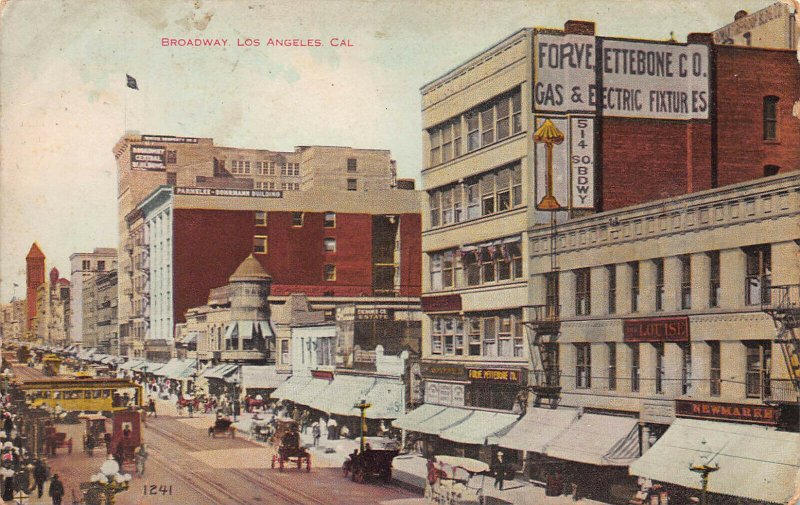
pixel 82 266
pixel 100 298
pixel 13 316
pixel 34 277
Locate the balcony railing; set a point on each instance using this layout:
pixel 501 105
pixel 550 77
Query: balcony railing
pixel 781 391
pixel 785 298
pixel 544 318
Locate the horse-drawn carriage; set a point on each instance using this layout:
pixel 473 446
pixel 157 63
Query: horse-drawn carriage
pixel 188 402
pixel 56 440
pixel 374 461
pixel 450 481
pixel 222 426
pixel 126 436
pixel 287 440
pixel 95 431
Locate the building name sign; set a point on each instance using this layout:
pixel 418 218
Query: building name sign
pixel 147 158
pixel 665 329
pixel 639 79
pixel 247 193
pixel 758 414
pixel 374 314
pixel 751 22
pixel 493 375
pixel 169 138
pixel 443 371
pixel 441 303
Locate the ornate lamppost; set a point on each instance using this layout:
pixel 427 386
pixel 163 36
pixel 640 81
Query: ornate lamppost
pixel 702 466
pixel 110 481
pixel 363 406
pixel 548 135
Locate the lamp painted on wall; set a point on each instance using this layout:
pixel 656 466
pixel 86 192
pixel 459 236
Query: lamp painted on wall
pixel 548 135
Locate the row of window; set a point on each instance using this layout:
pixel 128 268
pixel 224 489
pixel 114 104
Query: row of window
pixel 476 265
pixel 489 193
pixel 485 124
pixel 758 357
pixel 243 167
pixel 758 275
pixel 329 220
pixel 260 246
pixel 500 335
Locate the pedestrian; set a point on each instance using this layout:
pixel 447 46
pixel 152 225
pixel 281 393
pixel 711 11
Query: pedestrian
pixel 39 476
pixel 344 432
pixel 141 458
pixel 190 406
pixel 56 490
pixel 499 471
pixel 151 407
pixel 316 432
pixel 304 417
pixel 332 432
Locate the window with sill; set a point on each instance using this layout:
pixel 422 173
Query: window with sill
pixel 476 265
pixel 659 264
pixel 758 275
pixel 686 282
pixel 583 366
pixel 496 335
pixel 583 292
pixel 770 118
pixel 714 279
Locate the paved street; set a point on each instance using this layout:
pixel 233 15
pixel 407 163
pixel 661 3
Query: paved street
pixel 224 471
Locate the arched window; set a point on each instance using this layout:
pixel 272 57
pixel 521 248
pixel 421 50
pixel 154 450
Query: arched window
pixel 770 117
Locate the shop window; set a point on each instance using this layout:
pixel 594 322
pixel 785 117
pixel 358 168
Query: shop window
pixel 261 218
pixel 612 288
pixel 758 275
pixel 758 355
pixel 659 264
pixel 715 384
pixel 714 279
pixel 770 118
pixel 583 292
pixel 583 366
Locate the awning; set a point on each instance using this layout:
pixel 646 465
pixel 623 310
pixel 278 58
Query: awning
pixel 537 428
pixel 109 360
pixel 249 329
pixel 98 358
pixel 261 377
pixel 175 368
pixel 755 462
pixel 413 420
pixel 220 371
pixel 291 388
pixel 85 353
pixel 311 391
pixel 342 393
pixel 190 338
pixel 598 439
pixel 387 398
pixel 478 426
pixel 147 367
pixel 441 421
pixel 128 365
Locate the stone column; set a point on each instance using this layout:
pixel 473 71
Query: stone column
pixel 566 293
pixel 599 277
pixel 673 365
pixel 672 283
pixel 647 367
pixel 599 366
pixel 647 286
pixel 623 288
pixel 733 370
pixel 785 264
pixel 701 279
pixel 701 370
pixel 624 367
pixel 732 272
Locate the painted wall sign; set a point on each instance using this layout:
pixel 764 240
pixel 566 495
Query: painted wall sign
pixel 665 329
pixel 494 375
pixel 581 161
pixel 640 79
pixel 441 303
pixel 247 193
pixel 758 414
pixel 322 374
pixel 169 138
pixel 147 158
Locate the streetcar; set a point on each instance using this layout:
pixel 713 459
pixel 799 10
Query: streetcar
pixel 81 394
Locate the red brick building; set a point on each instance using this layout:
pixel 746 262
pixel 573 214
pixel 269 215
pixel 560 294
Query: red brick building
pixel 34 277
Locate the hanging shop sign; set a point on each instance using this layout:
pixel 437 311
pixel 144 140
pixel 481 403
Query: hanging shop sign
pixel 495 375
pixel 664 329
pixel 738 412
pixel 374 314
pixel 322 374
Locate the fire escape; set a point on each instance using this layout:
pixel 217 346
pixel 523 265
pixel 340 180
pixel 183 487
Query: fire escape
pixel 544 323
pixel 782 303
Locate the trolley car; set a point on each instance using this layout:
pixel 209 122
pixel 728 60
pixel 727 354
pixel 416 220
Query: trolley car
pixel 80 394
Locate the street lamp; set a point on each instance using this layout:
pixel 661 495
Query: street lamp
pixel 702 466
pixel 110 481
pixel 363 406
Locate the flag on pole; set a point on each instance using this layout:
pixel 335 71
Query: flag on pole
pixel 132 82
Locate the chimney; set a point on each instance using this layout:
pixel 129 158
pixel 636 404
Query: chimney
pixel 573 27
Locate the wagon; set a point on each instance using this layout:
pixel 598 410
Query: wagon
pixel 450 481
pixel 287 440
pixel 222 426
pixel 95 431
pixel 374 461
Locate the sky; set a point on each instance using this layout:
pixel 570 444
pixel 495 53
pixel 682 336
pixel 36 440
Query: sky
pixel 64 101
